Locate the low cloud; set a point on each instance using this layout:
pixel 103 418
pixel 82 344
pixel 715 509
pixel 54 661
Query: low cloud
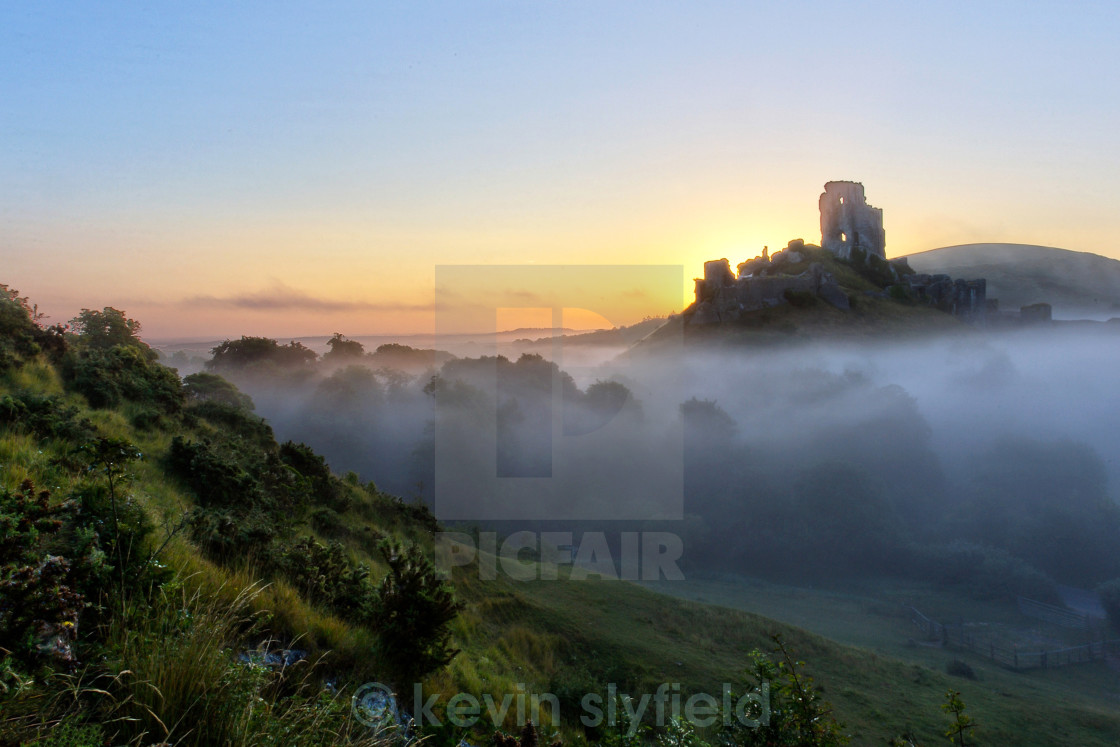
pixel 283 298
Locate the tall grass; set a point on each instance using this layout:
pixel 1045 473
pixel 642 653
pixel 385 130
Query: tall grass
pixel 172 675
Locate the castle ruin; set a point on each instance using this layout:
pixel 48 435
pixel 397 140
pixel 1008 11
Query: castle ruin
pixel 848 223
pixel 852 231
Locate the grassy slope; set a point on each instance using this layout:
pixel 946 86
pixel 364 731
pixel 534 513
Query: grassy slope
pixel 872 620
pixel 568 635
pixel 1019 274
pixel 621 627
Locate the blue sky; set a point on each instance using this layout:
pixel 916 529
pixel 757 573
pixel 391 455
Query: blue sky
pixel 174 159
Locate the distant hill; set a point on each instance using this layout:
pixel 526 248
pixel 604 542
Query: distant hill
pixel 1078 285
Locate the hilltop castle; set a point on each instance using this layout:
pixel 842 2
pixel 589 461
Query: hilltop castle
pixel 852 231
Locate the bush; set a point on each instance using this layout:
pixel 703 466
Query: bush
pixel 146 419
pixel 798 714
pixel 216 478
pixel 986 572
pixel 237 515
pixel 109 377
pixel 249 497
pixel 208 387
pixel 21 337
pixel 800 299
pixel 325 575
pixel 41 602
pixel 317 479
pixel 959 668
pixel 412 614
pixel 46 416
pixel 1110 599
pixel 235 421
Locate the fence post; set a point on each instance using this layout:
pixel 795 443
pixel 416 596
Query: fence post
pixel 1016 659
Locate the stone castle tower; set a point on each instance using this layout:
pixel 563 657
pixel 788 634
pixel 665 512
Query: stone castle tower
pixel 848 222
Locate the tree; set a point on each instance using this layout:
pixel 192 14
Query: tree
pixel 342 349
pixel 705 422
pixel 108 328
pixel 21 333
pixel 111 457
pixel 413 610
pixel 249 351
pixel 962 723
pixel 17 315
pixel 208 387
pixel 797 715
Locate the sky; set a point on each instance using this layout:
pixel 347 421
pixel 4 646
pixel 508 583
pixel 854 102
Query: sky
pixel 291 169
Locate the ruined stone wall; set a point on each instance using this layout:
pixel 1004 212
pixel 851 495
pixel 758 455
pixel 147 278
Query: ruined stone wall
pixel 723 297
pixel 967 299
pixel 848 222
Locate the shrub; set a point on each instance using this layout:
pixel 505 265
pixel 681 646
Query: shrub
pixel 40 603
pixel 214 476
pixel 109 377
pixel 798 715
pixel 899 293
pixel 317 479
pixel 325 575
pixel 208 387
pixel 988 572
pixel 240 510
pixel 21 337
pixel 959 668
pixel 235 421
pixel 412 614
pixel 46 416
pixel 800 299
pixel 1110 599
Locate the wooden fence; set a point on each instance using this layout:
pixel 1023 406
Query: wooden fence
pixel 1015 657
pixel 1054 615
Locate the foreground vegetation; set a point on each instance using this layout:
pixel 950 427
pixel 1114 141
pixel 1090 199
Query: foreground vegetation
pixel 172 574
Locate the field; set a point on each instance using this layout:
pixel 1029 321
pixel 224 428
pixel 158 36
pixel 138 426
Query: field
pixel 1071 705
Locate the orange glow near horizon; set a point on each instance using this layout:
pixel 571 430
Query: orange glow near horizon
pixel 299 279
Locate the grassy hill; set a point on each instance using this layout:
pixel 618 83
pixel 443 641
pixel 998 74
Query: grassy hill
pixel 179 545
pixel 1077 284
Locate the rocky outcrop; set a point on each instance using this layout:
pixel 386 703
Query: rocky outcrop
pixel 848 223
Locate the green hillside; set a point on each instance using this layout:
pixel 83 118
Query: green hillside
pixel 1076 284
pixel 178 546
